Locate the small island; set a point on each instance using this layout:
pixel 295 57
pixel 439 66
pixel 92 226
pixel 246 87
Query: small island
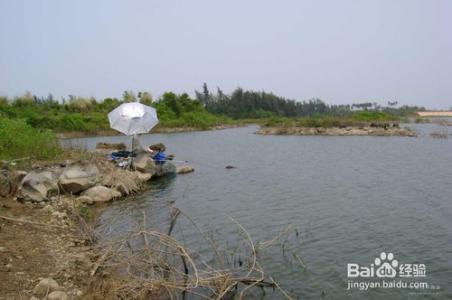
pixel 364 123
pixel 372 129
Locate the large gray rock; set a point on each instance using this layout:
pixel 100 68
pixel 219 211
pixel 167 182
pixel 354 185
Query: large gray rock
pixel 38 186
pixel 78 177
pixel 5 185
pixel 16 178
pixel 165 169
pixel 142 177
pixel 85 200
pixel 57 295
pixel 185 169
pixel 144 163
pixel 45 287
pixel 101 193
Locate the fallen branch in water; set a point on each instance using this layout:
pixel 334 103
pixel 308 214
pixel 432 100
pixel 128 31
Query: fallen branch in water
pixel 282 291
pixel 147 263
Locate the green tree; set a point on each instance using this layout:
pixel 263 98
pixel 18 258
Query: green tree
pixel 145 98
pixel 128 96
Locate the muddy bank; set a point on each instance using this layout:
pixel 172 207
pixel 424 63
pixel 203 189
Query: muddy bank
pixel 338 131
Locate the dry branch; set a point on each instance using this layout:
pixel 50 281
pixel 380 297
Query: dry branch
pixel 148 262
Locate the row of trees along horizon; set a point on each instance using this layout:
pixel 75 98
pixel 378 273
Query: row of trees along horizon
pixel 179 110
pixel 28 123
pixel 253 104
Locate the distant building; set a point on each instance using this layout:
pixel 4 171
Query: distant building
pixel 438 113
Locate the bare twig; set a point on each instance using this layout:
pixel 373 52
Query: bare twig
pixel 29 222
pixel 154 262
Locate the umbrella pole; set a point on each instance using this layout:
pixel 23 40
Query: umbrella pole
pixel 131 155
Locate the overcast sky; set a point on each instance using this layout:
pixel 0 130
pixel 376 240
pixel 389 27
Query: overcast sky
pixel 344 51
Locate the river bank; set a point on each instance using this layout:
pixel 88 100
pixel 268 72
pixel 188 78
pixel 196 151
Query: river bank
pixel 47 219
pixel 51 251
pixel 111 132
pixel 366 130
pixel 42 242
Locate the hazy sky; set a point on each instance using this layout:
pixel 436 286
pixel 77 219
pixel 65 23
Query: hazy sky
pixel 341 51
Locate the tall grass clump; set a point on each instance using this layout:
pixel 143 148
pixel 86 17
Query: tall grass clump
pixel 18 139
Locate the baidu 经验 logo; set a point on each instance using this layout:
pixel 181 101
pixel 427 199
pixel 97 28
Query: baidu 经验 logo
pixel 387 272
pixel 384 266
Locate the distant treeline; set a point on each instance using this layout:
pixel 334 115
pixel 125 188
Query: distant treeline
pixel 28 123
pixel 179 110
pixel 251 104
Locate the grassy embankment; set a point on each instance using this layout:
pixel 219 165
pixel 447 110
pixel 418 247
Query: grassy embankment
pixel 90 116
pixel 28 125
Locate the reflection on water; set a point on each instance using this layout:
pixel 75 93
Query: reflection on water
pixel 347 198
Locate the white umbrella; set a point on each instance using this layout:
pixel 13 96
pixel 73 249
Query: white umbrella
pixel 133 118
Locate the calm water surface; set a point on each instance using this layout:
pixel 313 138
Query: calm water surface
pixel 347 198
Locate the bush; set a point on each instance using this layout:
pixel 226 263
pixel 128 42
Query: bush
pixel 372 116
pixel 327 122
pixel 86 213
pixel 89 116
pixel 79 105
pixel 19 139
pixel 23 101
pixel 181 111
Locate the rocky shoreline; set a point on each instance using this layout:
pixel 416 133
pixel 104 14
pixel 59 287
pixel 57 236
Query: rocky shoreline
pixel 339 131
pixel 45 219
pixel 95 178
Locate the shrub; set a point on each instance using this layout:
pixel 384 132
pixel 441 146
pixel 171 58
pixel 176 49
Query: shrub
pixel 19 139
pixel 79 105
pixel 88 115
pixel 372 116
pixel 23 101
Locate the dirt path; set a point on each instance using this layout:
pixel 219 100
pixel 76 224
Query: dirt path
pixel 30 252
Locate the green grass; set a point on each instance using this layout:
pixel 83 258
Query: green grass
pixel 86 213
pixel 90 116
pixel 19 139
pixel 28 124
